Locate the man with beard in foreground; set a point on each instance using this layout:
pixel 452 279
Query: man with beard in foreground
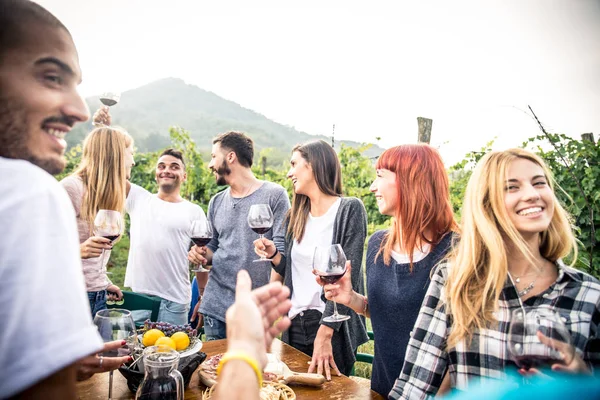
pixel 231 248
pixel 40 268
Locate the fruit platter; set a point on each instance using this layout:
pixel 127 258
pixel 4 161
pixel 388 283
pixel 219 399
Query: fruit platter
pixel 181 338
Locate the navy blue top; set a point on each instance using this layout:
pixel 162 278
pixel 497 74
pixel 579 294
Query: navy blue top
pixel 395 297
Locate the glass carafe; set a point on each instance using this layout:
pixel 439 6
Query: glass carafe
pixel 162 380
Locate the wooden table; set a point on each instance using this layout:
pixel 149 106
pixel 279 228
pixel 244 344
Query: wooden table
pixel 339 388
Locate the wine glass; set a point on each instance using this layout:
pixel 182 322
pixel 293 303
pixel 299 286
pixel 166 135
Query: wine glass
pixel 108 224
pixel 329 263
pixel 114 324
pixel 201 232
pixel 524 345
pixel 109 99
pixel 260 219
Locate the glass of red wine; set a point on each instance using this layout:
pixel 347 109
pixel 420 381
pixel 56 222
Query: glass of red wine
pixel 524 345
pixel 109 225
pixel 260 219
pixel 329 263
pixel 115 324
pixel 110 98
pixel 201 233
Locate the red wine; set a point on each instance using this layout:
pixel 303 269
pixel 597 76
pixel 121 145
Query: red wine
pixel 158 388
pixel 112 238
pixel 261 231
pixel 108 102
pixel 530 361
pixel 331 278
pixel 200 241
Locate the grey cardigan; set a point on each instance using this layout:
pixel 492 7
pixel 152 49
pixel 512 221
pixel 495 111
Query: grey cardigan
pixel 350 231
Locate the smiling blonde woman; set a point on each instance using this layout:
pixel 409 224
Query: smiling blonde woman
pixel 514 233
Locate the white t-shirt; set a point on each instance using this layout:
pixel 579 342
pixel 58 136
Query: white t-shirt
pixel 45 317
pixel 318 231
pixel 160 239
pixel 418 255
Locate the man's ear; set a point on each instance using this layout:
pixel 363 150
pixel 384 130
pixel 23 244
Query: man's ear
pixel 231 157
pixel 184 177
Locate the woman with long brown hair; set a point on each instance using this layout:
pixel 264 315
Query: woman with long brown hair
pixel 411 187
pixel 99 183
pixel 514 233
pixel 320 216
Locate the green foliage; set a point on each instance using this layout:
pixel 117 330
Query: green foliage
pixel 358 173
pixel 583 157
pixel 460 174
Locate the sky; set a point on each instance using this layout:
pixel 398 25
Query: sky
pixel 369 67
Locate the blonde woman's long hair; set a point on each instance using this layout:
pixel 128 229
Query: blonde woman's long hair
pixel 478 263
pixel 102 170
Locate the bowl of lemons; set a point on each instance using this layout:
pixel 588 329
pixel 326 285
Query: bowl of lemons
pixel 181 338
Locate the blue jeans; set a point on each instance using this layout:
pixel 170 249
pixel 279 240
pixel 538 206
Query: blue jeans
pixel 97 301
pixel 214 329
pixel 173 313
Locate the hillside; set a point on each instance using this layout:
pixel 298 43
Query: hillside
pixel 148 111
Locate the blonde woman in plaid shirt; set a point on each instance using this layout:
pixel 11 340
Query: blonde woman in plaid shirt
pixel 514 234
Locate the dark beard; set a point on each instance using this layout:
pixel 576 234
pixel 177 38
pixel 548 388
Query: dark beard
pixel 222 172
pixel 14 135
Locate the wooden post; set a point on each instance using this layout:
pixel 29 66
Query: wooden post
pixel 588 136
pixel 424 129
pixel 263 164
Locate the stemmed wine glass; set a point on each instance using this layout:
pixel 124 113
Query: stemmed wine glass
pixel 524 344
pixel 114 324
pixel 108 224
pixel 201 232
pixel 329 263
pixel 110 98
pixel 260 219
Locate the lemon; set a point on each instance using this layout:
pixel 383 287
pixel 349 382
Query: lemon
pixel 181 339
pixel 166 341
pixel 151 336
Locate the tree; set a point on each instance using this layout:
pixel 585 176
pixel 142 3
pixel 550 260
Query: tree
pixel 575 165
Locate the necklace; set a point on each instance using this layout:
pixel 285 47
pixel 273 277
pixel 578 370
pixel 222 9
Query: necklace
pixel 529 287
pixel 237 200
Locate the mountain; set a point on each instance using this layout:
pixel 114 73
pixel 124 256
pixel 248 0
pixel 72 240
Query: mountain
pixel 148 111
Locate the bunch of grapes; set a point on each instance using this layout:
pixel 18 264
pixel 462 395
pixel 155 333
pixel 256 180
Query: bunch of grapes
pixel 169 329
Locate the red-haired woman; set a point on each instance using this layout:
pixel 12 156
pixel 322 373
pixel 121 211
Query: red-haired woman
pixel 411 187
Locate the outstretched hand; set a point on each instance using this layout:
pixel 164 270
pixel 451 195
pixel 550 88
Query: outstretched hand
pixel 257 316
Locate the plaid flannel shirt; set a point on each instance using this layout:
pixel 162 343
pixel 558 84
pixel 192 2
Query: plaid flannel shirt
pixel 575 296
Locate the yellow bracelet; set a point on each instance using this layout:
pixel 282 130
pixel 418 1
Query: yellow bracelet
pixel 242 356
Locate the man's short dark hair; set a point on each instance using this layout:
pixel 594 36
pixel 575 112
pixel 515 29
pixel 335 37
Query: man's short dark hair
pixel 240 144
pixel 173 153
pixel 16 17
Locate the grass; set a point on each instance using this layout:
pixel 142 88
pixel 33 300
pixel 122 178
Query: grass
pixel 364 369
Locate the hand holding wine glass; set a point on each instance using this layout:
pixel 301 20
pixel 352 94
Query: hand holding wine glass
pixel 114 324
pixel 260 220
pixel 538 339
pixel 329 263
pixel 341 291
pixel 201 233
pixel 109 225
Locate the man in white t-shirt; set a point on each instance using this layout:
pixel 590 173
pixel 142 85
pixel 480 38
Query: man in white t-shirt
pixel 40 268
pixel 160 239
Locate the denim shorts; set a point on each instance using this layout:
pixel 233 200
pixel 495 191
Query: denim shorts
pixel 97 301
pixel 173 313
pixel 214 329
